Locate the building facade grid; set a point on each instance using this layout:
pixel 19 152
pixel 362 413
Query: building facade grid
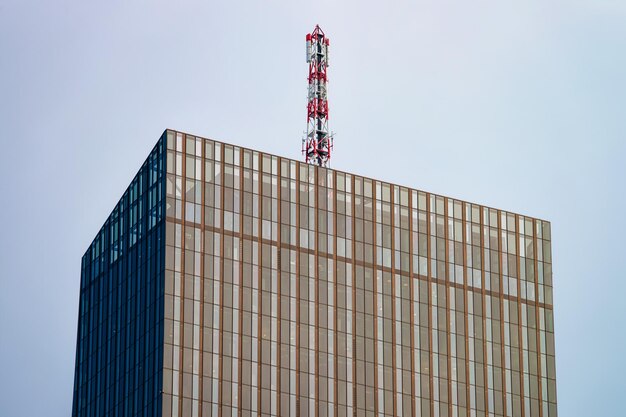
pixel 357 296
pixel 290 289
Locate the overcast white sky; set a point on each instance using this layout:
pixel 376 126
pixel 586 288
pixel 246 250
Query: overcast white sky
pixel 516 106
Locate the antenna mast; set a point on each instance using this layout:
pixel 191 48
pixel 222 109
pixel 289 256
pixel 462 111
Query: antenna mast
pixel 318 143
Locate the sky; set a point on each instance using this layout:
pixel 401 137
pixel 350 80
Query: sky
pixel 514 105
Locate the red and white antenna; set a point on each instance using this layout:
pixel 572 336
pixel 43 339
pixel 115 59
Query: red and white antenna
pixel 318 143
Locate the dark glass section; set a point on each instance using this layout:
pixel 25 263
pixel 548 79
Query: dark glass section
pixel 119 348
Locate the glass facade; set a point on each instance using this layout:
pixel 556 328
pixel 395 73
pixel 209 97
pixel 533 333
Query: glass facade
pixel 289 289
pixel 119 348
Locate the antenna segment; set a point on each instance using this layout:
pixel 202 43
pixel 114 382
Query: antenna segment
pixel 318 143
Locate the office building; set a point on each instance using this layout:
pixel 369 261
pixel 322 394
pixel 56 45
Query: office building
pixel 230 282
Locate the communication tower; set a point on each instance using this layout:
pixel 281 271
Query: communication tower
pixel 318 142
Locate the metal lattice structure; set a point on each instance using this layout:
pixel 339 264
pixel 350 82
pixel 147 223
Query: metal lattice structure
pixel 318 142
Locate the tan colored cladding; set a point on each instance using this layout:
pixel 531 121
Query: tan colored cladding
pixel 441 277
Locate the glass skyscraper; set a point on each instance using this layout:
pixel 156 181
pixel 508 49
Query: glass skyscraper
pixel 231 282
